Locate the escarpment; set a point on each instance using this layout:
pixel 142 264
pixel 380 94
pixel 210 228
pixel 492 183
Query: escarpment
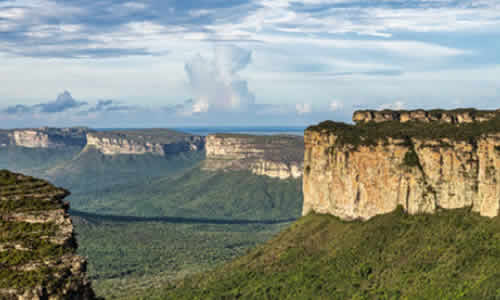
pixel 278 156
pixel 360 171
pixel 37 247
pixel 457 116
pixel 153 141
pixel 46 137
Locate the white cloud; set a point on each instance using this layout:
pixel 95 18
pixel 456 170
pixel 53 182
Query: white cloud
pixel 215 82
pixel 303 108
pixel 336 105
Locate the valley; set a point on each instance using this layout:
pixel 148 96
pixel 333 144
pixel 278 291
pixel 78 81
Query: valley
pixel 147 211
pixel 400 205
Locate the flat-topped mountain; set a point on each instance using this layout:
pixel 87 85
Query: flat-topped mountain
pixel 359 171
pixel 37 244
pixel 137 142
pixel 44 137
pixel 279 156
pixel 153 141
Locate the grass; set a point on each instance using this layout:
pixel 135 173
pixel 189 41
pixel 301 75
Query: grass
pixel 450 255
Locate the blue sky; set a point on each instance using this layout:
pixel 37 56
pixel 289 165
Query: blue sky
pixel 164 63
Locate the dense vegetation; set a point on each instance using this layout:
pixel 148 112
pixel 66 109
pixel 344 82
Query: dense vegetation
pixel 450 255
pixel 199 194
pixel 129 257
pixel 372 133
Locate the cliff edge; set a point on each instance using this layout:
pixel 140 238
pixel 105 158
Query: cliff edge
pixel 37 246
pixel 360 171
pixel 276 156
pixel 151 141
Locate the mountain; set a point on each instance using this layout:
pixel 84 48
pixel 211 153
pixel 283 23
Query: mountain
pixel 438 160
pixel 402 205
pixel 37 245
pixel 276 156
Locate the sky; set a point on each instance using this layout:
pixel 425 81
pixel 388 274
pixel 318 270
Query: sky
pixel 174 63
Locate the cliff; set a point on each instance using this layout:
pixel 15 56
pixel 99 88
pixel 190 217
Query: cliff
pixel 46 137
pixel 278 156
pixel 456 116
pixel 152 141
pixel 37 245
pixel 372 168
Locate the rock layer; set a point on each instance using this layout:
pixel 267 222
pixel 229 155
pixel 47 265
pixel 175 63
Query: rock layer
pixel 274 156
pixel 358 172
pixel 37 245
pixel 154 141
pixel 46 137
pixel 446 116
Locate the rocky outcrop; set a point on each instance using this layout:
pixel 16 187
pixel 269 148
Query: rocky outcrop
pixel 154 141
pixel 358 172
pixel 278 156
pixel 122 145
pixel 445 116
pixel 46 137
pixel 37 244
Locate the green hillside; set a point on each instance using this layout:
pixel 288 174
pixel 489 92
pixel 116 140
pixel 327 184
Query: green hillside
pixel 35 161
pixel 450 255
pixel 90 173
pixel 196 194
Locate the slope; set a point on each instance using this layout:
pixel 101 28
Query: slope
pixel 450 255
pixel 200 194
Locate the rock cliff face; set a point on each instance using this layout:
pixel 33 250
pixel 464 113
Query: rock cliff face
pixel 154 141
pixel 357 172
pixel 273 156
pixel 37 246
pixel 48 137
pixel 446 116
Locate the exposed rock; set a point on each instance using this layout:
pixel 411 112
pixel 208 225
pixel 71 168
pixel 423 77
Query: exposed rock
pixel 357 172
pixel 153 141
pixel 278 156
pixel 37 245
pixel 446 116
pixel 46 137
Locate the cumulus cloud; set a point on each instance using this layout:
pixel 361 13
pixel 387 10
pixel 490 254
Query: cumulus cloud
pixel 303 108
pixel 336 105
pixel 63 102
pixel 216 84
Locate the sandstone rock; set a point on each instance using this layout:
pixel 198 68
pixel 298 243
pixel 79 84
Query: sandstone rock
pixel 364 179
pixel 454 116
pixel 274 156
pixel 46 137
pixel 155 142
pixel 34 219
